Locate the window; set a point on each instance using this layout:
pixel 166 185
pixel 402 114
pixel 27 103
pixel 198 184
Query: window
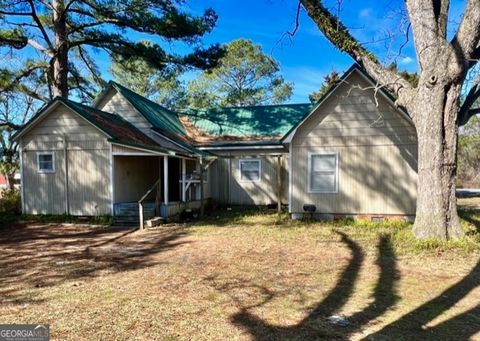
pixel 323 173
pixel 46 162
pixel 250 170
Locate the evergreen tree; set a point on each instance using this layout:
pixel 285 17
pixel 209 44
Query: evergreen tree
pixel 63 33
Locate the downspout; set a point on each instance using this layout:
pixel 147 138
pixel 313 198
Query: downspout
pixel 22 183
pixel 229 177
pixel 279 184
pixel 202 204
pixel 65 162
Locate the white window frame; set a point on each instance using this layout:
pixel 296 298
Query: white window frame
pixel 309 173
pixel 53 162
pixel 259 161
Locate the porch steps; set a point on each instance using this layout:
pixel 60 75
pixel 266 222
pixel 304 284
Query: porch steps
pixel 126 213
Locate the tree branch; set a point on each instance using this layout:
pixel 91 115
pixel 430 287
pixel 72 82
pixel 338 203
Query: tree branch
pixel 424 17
pixel 338 34
pixel 9 125
pixel 466 111
pixel 36 45
pixel 467 38
pixel 40 25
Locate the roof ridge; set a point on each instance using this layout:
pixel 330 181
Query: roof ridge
pixel 143 97
pixel 250 106
pixel 156 114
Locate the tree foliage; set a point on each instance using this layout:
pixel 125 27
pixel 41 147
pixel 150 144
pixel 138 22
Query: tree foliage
pixel 244 76
pixel 469 154
pixel 15 109
pixel 62 33
pixel 162 86
pixel 329 82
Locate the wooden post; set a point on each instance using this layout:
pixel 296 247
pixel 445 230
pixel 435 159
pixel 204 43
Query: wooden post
pixel 279 184
pixel 140 214
pixel 158 192
pixel 184 180
pixel 202 204
pixel 165 180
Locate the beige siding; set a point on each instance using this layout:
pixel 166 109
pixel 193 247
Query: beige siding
pixel 227 186
pixel 377 153
pixel 114 102
pixel 88 166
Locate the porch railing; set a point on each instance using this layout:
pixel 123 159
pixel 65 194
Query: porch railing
pixel 140 203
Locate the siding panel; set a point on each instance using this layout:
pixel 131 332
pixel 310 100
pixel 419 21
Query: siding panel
pixel 230 189
pixel 377 150
pixel 88 166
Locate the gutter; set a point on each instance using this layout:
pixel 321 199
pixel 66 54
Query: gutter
pixel 242 147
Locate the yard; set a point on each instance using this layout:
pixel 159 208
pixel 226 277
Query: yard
pixel 241 276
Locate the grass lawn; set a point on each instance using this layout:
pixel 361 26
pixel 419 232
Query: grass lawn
pixel 241 277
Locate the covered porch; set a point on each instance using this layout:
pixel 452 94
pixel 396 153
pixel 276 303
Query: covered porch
pixel 149 184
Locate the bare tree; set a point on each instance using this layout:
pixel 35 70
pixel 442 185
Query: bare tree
pixel 434 104
pixel 15 109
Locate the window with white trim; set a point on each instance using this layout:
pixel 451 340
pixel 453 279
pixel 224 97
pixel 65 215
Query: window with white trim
pixel 46 162
pixel 323 173
pixel 250 170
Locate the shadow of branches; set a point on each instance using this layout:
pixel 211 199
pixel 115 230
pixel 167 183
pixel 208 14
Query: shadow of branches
pixel 36 256
pixel 317 324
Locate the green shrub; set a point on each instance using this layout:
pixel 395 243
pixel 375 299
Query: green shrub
pixel 10 202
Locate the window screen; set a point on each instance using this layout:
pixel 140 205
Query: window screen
pixel 323 177
pixel 250 170
pixel 46 162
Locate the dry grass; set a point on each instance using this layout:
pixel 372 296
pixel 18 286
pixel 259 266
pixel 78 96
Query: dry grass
pixel 469 203
pixel 239 277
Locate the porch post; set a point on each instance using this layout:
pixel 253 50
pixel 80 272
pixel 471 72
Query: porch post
pixel 184 180
pixel 202 203
pixel 165 180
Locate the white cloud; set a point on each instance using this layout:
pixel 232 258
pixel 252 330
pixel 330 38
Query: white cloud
pixel 365 13
pixel 406 60
pixel 306 79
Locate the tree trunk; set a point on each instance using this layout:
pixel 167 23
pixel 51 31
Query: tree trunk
pixel 59 63
pixel 10 180
pixel 9 168
pixel 436 215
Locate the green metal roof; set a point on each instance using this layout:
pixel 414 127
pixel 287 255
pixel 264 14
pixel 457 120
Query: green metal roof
pixel 254 121
pixel 159 117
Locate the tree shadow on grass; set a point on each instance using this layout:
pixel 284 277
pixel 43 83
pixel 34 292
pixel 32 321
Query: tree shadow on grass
pixel 36 256
pixel 471 216
pixel 462 326
pixel 316 324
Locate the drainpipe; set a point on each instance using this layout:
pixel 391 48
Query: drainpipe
pixel 229 180
pixel 202 204
pixel 65 164
pixel 279 184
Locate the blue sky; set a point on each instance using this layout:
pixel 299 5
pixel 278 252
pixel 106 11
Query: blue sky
pixel 307 57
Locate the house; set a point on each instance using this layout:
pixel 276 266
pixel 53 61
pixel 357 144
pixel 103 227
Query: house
pixel 351 154
pixel 4 182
